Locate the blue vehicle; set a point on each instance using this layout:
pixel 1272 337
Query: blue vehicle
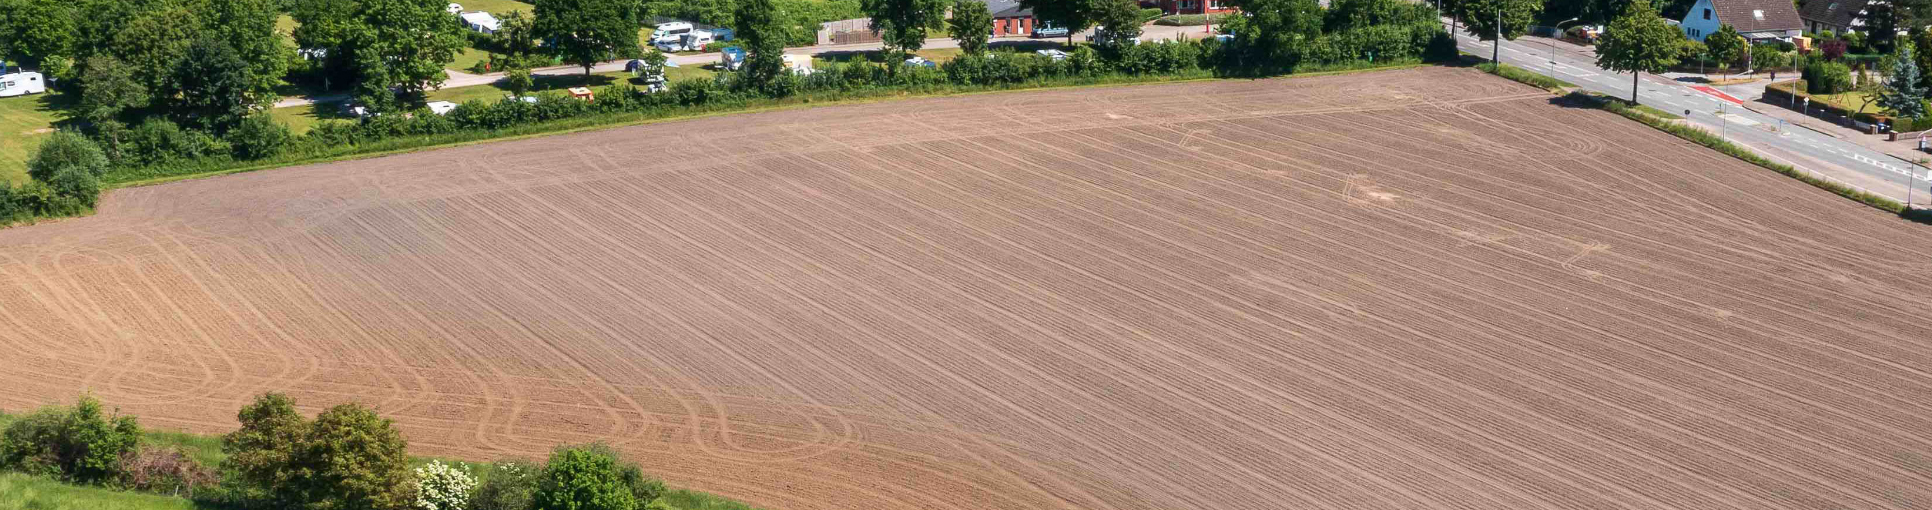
pixel 734 58
pixel 1046 29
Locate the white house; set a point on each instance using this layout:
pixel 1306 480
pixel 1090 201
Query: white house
pixel 481 21
pixel 1754 19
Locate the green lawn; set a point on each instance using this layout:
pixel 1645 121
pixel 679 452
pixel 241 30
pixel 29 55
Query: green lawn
pixel 22 492
pixel 24 121
pixel 1850 101
pixel 933 54
pixel 467 59
pixel 495 91
pixel 496 7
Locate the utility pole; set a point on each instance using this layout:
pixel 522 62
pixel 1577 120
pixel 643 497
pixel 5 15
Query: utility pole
pixel 1496 55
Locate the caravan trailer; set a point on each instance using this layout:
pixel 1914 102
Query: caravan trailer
pixel 20 84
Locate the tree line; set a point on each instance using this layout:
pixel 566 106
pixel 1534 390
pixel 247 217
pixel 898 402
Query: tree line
pixel 346 457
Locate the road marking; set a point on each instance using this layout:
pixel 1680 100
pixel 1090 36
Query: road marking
pixel 1739 120
pixel 1718 94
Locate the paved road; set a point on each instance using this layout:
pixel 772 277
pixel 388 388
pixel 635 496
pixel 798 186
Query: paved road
pixel 1810 150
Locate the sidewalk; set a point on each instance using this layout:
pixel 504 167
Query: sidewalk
pixel 1905 148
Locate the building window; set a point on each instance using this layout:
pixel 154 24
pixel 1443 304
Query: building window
pixel 1707 14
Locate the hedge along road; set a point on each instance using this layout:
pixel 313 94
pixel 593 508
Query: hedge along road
pixel 1838 159
pixel 1410 289
pixel 459 79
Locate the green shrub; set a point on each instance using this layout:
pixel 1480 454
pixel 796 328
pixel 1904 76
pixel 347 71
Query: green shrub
pixel 1151 14
pixel 1441 48
pixel 643 488
pixel 442 486
pixel 507 485
pixel 79 444
pixel 1189 20
pixel 332 133
pixel 77 184
pixel 64 150
pixel 258 136
pixel 1825 77
pixel 584 478
pixel 159 140
pixel 347 458
pixel 1711 140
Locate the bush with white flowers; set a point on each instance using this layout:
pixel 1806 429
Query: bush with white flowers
pixel 442 486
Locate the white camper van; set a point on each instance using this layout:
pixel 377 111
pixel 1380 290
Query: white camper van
pixel 20 84
pixel 671 31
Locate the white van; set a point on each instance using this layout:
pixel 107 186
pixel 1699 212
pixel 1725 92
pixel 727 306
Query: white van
pixel 20 84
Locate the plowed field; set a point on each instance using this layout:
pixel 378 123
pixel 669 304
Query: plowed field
pixel 1411 289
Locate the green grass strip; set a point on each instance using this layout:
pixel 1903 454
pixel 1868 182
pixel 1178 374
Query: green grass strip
pixel 1663 122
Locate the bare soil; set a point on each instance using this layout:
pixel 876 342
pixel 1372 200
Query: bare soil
pixel 1413 289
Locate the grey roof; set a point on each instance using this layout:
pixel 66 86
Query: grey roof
pixel 1837 13
pixel 1007 9
pixel 1759 15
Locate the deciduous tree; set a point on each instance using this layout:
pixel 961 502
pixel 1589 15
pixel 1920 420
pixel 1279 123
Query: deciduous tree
pixel 971 25
pixel 761 29
pixel 347 458
pixel 1276 31
pixel 153 43
pixel 1119 20
pixel 902 24
pixel 1725 46
pixel 1638 41
pixel 248 26
pixel 214 85
pixel 387 48
pixel 1075 15
pixel 1491 20
pixel 107 88
pixel 587 32
pixel 37 29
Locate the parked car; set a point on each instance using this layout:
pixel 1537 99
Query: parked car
pixel 734 58
pixel 1056 55
pixel 920 62
pixel 1046 29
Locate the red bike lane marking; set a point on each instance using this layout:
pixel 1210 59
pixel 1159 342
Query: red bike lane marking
pixel 1720 95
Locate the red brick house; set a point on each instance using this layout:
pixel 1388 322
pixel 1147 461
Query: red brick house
pixel 1009 19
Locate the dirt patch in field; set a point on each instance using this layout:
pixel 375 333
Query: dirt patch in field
pixel 1412 289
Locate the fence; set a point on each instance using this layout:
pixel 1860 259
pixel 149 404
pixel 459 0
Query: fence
pixel 847 31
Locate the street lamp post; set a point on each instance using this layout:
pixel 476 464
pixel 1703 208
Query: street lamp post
pixel 1553 37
